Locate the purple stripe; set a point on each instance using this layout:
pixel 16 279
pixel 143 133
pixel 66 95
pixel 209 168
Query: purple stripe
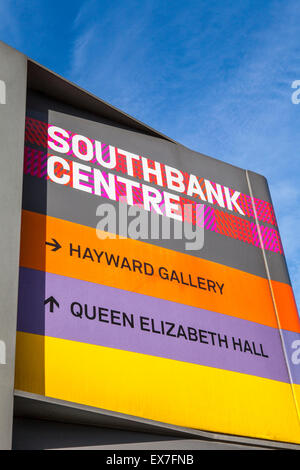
pixel 34 317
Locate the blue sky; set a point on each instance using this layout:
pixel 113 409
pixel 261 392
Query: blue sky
pixel 213 75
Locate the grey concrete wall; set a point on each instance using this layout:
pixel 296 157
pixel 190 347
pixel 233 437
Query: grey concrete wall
pixel 13 70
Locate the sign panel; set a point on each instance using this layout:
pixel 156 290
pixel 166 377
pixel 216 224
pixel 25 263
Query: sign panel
pixel 152 280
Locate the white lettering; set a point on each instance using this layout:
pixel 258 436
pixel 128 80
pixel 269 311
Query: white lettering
pixel 214 193
pixel 52 160
pixel 195 188
pixel 172 209
pixel 129 158
pixel 59 144
pixel 152 197
pixel 108 186
pixel 81 180
pixel 174 179
pixel 112 156
pixel 231 200
pixel 156 171
pixel 129 188
pixel 86 156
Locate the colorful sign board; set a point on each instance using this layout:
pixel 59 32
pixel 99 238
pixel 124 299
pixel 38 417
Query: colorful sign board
pixel 202 333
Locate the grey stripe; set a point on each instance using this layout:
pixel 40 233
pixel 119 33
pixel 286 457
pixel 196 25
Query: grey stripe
pixel 62 202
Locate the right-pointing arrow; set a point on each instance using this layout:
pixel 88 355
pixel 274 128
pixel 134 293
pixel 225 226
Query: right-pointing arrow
pixel 56 245
pixel 52 301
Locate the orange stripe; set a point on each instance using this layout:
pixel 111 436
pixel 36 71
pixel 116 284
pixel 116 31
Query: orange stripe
pixel 244 295
pixel 286 306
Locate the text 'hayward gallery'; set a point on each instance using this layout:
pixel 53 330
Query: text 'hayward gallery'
pixel 145 298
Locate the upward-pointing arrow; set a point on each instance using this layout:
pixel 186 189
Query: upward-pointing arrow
pixel 52 301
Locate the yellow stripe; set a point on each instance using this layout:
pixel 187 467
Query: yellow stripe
pixel 155 388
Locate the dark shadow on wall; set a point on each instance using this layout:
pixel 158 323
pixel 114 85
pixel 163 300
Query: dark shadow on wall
pixel 31 434
pixel 30 342
pixel 38 434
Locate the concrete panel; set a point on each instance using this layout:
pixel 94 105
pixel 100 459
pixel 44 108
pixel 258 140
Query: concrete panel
pixel 13 67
